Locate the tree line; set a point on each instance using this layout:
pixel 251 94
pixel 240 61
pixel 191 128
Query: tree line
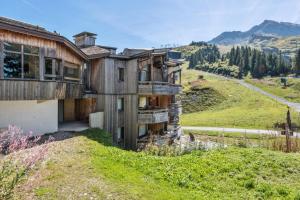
pixel 246 59
pixel 258 63
pixel 206 53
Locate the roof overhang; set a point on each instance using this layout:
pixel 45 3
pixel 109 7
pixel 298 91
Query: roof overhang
pixel 44 35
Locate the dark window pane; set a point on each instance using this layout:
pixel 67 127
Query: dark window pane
pixel 12 47
pixel 71 70
pixel 31 50
pixel 57 66
pixel 31 67
pixel 12 65
pixel 48 66
pixel 121 74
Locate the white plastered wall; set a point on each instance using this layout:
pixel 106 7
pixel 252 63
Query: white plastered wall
pixel 40 117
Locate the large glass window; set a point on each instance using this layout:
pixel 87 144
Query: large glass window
pixel 12 65
pixel 21 61
pixel 31 66
pixel 71 71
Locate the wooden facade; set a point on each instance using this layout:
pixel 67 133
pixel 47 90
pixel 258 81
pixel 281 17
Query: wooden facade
pixel 105 81
pixel 39 88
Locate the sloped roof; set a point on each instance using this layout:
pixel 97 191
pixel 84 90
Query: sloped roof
pixel 85 33
pixel 29 29
pixel 95 51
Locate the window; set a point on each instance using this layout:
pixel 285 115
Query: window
pixel 31 66
pixel 21 61
pixel 142 130
pixel 71 71
pixel 120 104
pixel 121 74
pixel 142 102
pixel 121 133
pixel 48 66
pixel 52 67
pixel 12 65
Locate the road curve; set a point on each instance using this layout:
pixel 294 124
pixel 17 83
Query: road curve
pixel 295 106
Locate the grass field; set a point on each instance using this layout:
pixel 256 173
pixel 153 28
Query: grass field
pixel 274 86
pixel 241 107
pixel 88 167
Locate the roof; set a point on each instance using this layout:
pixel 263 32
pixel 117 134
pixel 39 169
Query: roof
pixel 29 29
pixel 107 47
pixel 133 52
pixel 85 33
pixel 95 52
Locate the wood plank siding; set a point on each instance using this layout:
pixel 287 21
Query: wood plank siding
pixel 38 90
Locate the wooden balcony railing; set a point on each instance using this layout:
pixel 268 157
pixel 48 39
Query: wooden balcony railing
pixel 23 89
pixel 158 88
pixel 153 116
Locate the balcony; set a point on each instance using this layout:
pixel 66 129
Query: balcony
pixel 23 89
pixel 153 116
pixel 158 88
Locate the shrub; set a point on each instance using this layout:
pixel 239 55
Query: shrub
pixel 14 166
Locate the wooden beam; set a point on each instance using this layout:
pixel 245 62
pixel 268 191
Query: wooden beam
pixel 42 63
pixel 1 60
pixel 61 69
pixel 53 68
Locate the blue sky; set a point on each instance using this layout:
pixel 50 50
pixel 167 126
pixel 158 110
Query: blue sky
pixel 149 23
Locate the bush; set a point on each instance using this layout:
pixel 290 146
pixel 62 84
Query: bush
pixel 220 68
pixel 14 166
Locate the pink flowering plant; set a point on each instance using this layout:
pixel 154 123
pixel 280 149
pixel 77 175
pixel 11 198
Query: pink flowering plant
pixel 14 165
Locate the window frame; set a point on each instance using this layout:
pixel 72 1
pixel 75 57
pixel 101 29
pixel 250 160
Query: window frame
pixel 23 54
pixel 146 130
pixel 122 104
pixel 55 75
pixel 69 78
pixel 121 76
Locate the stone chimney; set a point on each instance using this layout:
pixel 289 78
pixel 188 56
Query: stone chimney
pixel 85 39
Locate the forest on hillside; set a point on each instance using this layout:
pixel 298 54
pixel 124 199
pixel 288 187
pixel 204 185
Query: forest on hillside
pixel 242 61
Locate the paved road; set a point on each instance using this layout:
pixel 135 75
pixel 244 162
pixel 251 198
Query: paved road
pixel 235 130
pixel 295 106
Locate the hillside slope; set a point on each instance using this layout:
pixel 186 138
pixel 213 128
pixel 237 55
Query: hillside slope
pixel 235 106
pixel 88 167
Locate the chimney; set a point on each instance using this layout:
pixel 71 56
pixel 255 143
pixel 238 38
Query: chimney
pixel 85 39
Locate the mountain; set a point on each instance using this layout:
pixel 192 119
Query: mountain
pixel 267 28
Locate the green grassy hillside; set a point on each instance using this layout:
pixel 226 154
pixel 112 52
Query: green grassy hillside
pixel 239 107
pixel 88 167
pixel 274 86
